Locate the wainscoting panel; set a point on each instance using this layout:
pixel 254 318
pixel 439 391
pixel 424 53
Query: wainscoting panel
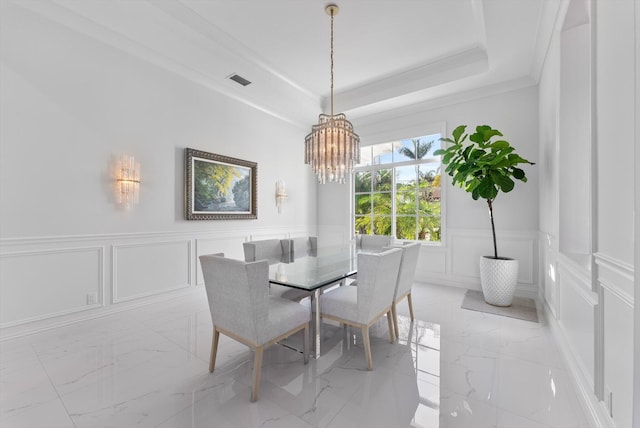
pixel 145 269
pixel 616 280
pixel 432 260
pixel 465 247
pixel 39 284
pixel 230 246
pixel 576 318
pixel 618 364
pixel 468 247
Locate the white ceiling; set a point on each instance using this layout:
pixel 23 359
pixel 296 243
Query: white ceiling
pixel 388 53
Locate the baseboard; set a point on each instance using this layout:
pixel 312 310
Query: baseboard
pixel 594 408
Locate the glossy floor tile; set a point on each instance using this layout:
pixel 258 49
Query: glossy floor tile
pixel 148 367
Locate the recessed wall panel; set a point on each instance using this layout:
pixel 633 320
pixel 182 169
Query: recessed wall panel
pixel 577 318
pixel 42 284
pixel 231 247
pixel 618 358
pixel 150 268
pixel 469 247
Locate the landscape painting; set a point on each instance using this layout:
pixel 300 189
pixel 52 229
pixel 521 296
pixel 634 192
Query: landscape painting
pixel 219 187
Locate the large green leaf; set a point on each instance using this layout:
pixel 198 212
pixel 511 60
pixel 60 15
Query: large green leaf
pixel 458 132
pixel 487 132
pixel 487 189
pixel 518 173
pixel 500 144
pixel 505 183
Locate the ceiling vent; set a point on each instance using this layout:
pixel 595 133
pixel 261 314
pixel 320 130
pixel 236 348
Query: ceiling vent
pixel 239 79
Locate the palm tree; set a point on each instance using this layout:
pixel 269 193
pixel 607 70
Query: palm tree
pixel 420 149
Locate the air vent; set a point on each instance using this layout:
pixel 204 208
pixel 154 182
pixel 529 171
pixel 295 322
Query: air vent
pixel 239 79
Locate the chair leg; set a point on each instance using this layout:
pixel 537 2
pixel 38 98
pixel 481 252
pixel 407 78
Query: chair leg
pixel 367 347
pixel 257 366
pixel 410 305
pixel 214 350
pixel 306 343
pixel 390 324
pixel 394 313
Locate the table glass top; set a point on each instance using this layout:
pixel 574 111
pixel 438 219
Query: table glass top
pixel 309 270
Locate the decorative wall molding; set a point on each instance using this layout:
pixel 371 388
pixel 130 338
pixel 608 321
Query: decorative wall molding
pixel 142 275
pixel 70 307
pixel 617 277
pixel 187 246
pixel 465 263
pixel 148 46
pixel 579 279
pixel 136 236
pixel 111 295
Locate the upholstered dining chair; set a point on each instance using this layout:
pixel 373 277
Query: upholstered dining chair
pixel 270 249
pixel 274 250
pixel 369 243
pixel 406 274
pixel 241 308
pixel 365 304
pixel 372 242
pixel 303 245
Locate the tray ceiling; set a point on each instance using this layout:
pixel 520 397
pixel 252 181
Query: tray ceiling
pixel 389 54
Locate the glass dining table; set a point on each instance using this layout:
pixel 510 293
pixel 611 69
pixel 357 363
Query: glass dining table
pixel 313 271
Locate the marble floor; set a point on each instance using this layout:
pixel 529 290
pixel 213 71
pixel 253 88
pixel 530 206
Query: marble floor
pixel 148 367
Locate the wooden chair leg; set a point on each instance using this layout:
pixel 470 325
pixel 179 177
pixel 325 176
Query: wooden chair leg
pixel 257 366
pixel 367 347
pixel 410 305
pixel 214 350
pixel 394 313
pixel 390 324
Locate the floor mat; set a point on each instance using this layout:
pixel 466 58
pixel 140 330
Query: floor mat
pixel 522 308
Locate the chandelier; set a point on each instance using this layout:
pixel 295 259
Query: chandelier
pixel 332 147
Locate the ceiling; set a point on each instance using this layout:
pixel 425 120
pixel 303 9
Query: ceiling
pixel 389 54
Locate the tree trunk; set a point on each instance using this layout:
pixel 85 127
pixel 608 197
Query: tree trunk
pixel 493 229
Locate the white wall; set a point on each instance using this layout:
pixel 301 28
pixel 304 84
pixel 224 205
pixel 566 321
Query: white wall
pixel 587 197
pixel 616 113
pixel 70 105
pixel 467 232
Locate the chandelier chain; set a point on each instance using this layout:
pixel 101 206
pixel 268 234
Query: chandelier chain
pixel 331 62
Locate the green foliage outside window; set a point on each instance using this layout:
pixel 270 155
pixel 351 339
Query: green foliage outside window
pixel 417 199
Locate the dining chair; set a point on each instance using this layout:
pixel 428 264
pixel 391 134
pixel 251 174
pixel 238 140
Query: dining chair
pixel 241 308
pixel 270 249
pixel 275 251
pixel 362 306
pixel 372 242
pixel 406 274
pixel 307 245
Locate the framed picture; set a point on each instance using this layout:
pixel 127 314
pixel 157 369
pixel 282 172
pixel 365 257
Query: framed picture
pixel 219 187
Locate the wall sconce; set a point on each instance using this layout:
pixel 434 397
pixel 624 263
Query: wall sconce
pixel 281 194
pixel 127 182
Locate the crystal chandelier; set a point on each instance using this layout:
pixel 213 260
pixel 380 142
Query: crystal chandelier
pixel 332 147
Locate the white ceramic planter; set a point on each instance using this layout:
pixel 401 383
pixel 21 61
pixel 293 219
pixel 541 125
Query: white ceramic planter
pixel 498 278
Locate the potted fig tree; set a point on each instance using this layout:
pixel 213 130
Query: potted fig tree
pixel 484 167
